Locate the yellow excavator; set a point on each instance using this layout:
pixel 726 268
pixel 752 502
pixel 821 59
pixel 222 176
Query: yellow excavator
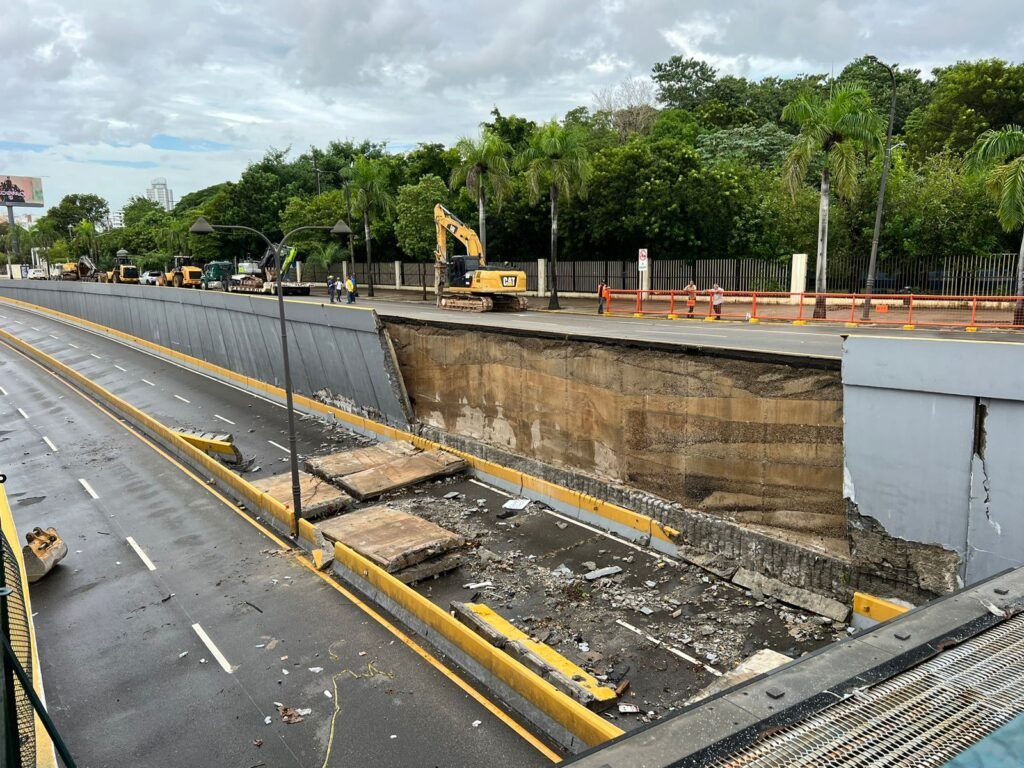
pixel 466 283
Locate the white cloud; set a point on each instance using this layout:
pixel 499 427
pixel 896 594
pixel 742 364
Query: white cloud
pixel 99 80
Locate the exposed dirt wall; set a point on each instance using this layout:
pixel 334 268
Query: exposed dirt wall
pixel 723 435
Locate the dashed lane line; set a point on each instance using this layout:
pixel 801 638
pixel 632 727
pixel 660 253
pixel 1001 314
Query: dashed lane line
pixel 88 488
pixel 183 399
pixel 142 555
pixel 226 421
pixel 213 649
pixel 23 413
pixel 147 381
pixel 278 445
pixel 93 354
pixel 73 345
pixel 49 442
pixel 125 370
pixel 3 392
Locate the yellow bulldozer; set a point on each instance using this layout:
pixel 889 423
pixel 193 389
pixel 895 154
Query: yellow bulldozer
pixel 183 273
pixel 123 270
pixel 465 281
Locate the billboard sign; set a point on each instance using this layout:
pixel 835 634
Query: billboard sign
pixel 21 191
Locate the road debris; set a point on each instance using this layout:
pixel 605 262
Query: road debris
pixel 183 654
pixel 601 573
pixel 289 715
pixel 516 504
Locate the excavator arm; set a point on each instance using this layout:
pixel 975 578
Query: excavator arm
pixel 447 222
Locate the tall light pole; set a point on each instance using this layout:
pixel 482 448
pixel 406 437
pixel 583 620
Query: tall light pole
pixel 203 227
pixel 873 263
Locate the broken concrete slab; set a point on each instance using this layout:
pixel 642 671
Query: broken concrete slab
pixel 601 573
pixel 335 466
pixel 435 566
pixel 401 473
pixel 763 661
pixel 801 598
pixel 318 497
pixel 389 537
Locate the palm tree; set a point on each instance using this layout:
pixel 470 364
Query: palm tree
pixel 557 162
pixel 371 197
pixel 1000 155
pixel 838 129
pixel 483 166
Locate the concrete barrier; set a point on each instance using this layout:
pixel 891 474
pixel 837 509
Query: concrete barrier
pixel 341 352
pixel 563 719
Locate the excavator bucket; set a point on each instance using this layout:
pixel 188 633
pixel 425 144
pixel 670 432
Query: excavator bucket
pixel 218 445
pixel 44 550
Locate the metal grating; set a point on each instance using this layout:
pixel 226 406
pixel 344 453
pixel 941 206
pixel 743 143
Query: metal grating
pixel 922 717
pixel 16 624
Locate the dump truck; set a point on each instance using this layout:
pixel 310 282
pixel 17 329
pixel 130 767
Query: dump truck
pixel 466 283
pixel 182 273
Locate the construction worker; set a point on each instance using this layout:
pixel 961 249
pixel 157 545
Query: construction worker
pixel 691 297
pixel 331 287
pixel 350 290
pixel 601 297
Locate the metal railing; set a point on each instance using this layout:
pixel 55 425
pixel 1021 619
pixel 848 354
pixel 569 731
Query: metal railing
pixel 19 736
pixel 905 310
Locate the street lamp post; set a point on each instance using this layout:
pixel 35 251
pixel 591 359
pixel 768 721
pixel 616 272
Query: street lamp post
pixel 873 263
pixel 203 227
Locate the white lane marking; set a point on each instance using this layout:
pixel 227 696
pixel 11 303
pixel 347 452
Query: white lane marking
pixel 88 488
pixel 55 337
pixel 490 488
pixel 72 345
pixel 3 392
pixel 213 649
pixel 278 445
pixel 37 329
pixel 142 555
pixel 218 416
pixel 93 354
pixel 183 399
pixel 147 381
pixel 19 322
pixel 23 413
pixel 49 442
pixel 120 368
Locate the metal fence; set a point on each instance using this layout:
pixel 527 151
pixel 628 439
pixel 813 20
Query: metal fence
pixel 19 718
pixel 969 275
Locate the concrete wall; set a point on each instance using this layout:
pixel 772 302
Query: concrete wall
pixel 932 458
pixel 336 352
pixel 758 442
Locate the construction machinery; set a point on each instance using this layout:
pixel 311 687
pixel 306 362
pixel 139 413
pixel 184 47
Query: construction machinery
pixel 217 274
pixel 465 281
pixel 83 269
pixel 183 273
pixel 259 277
pixel 122 271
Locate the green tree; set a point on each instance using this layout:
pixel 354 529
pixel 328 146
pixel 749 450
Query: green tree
pixel 371 199
pixel 138 208
pixel 840 128
pixel 1000 155
pixel 483 167
pixel 75 208
pixel 765 146
pixel 513 130
pixel 911 91
pixel 968 98
pixel 683 83
pixel 414 225
pixel 556 162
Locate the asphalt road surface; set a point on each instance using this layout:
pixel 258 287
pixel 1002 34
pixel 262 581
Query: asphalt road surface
pixel 175 625
pixel 815 341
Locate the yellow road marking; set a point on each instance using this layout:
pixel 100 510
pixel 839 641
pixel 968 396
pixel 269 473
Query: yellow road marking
pixel 305 562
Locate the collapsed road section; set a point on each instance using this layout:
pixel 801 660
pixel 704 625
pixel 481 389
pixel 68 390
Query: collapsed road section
pixel 646 627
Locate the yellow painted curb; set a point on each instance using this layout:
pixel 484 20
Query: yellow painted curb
pixel 851 325
pixel 971 329
pixel 799 322
pixel 710 319
pixel 909 327
pixel 754 320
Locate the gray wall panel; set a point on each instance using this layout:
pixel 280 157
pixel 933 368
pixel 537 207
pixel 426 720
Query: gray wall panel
pixel 333 348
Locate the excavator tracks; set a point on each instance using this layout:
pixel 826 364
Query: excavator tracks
pixel 498 303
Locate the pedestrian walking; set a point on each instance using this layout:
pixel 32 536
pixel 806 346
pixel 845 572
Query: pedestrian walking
pixel 717 299
pixel 601 288
pixel 350 290
pixel 691 297
pixel 332 286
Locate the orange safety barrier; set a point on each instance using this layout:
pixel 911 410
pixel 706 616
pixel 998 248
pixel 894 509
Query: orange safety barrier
pixel 852 309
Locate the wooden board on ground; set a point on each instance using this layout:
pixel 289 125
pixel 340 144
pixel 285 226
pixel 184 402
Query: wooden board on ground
pixel 389 537
pixel 401 473
pixel 335 466
pixel 318 496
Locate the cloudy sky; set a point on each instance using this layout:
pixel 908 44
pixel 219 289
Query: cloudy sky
pixel 103 96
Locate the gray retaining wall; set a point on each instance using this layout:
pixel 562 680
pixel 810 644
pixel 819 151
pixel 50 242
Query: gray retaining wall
pixel 336 350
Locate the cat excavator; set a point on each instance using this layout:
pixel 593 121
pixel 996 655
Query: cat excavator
pixel 465 282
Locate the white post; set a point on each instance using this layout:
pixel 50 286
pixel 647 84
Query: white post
pixel 542 277
pixel 298 271
pixel 344 271
pixel 798 276
pixel 645 278
pixel 398 275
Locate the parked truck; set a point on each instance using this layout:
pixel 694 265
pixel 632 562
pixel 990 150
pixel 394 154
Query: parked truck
pixel 259 277
pixel 217 276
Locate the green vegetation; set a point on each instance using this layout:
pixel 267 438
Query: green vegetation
pixel 690 163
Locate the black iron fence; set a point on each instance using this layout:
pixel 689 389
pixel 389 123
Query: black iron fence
pixel 971 275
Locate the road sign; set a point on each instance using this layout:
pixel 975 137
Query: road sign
pixel 642 260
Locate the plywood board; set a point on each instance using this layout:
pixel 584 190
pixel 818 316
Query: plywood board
pixel 318 496
pixel 334 466
pixel 401 473
pixel 391 538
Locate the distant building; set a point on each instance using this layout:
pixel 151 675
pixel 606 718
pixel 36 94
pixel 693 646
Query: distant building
pixel 26 220
pixel 160 194
pixel 115 220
